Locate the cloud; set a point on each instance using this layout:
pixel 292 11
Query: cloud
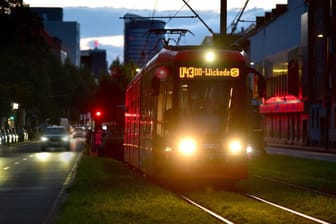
pixel 154 4
pixel 112 44
pixel 112 41
pixel 106 26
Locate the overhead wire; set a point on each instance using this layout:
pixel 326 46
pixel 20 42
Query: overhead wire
pixel 236 20
pixel 144 50
pixel 177 12
pixel 202 21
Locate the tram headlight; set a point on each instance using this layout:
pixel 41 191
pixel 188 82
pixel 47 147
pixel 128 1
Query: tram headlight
pixel 249 149
pixel 235 146
pixel 210 56
pixel 187 146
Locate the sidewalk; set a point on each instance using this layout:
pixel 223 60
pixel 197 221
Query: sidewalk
pixel 304 147
pixel 307 152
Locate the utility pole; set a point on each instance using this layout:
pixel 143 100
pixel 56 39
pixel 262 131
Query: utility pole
pixel 223 15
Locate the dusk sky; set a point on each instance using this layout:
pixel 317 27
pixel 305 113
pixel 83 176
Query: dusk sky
pixel 100 19
pixel 151 4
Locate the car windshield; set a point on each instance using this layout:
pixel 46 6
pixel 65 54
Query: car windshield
pixel 55 131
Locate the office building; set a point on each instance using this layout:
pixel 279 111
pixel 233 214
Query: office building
pixel 67 32
pixel 94 60
pixel 294 48
pixel 140 44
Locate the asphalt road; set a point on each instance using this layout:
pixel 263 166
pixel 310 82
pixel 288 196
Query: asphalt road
pixel 31 181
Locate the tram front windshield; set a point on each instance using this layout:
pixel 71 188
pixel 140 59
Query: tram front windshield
pixel 211 106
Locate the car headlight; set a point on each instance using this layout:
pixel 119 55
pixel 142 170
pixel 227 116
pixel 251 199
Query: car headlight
pixel 235 146
pixel 65 138
pixel 187 146
pixel 44 139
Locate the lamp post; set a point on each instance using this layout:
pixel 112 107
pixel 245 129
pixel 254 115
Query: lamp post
pixel 327 98
pixel 13 119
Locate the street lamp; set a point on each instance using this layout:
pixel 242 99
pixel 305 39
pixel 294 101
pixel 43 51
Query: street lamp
pixel 15 106
pixel 13 118
pixel 320 35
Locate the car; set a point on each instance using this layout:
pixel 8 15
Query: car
pixel 55 137
pixel 22 134
pixel 79 132
pixel 4 137
pixel 10 136
pixel 14 134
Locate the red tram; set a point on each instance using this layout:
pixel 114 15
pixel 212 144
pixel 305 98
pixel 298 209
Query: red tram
pixel 188 113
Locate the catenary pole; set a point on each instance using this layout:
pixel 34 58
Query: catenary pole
pixel 223 15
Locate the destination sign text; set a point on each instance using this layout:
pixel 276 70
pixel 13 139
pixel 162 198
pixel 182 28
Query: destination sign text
pixel 196 72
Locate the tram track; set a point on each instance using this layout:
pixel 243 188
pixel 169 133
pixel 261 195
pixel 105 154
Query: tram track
pixel 294 212
pixel 253 197
pixel 301 187
pixel 258 197
pixel 283 196
pixel 212 213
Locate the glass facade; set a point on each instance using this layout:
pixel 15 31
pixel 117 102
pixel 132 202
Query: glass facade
pixel 140 43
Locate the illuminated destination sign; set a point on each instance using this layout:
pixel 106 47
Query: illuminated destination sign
pixel 196 72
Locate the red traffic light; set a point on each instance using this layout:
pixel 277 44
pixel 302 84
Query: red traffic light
pixel 98 114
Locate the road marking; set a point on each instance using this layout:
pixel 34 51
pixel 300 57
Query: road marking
pixel 6 168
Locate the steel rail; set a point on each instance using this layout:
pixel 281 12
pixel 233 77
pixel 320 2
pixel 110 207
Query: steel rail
pixel 224 220
pixel 287 209
pixel 301 187
pixel 221 218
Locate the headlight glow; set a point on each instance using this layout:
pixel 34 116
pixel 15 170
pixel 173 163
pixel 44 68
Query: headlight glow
pixel 65 138
pixel 43 156
pixel 187 146
pixel 235 146
pixel 44 139
pixel 210 56
pixel 249 149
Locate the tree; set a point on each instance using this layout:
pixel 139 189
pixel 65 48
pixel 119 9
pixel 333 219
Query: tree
pixel 6 6
pixel 31 74
pixel 111 91
pixel 82 90
pixel 22 49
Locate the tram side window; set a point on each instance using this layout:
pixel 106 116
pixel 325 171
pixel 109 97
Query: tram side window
pixel 163 107
pixel 160 114
pixel 163 90
pixel 168 115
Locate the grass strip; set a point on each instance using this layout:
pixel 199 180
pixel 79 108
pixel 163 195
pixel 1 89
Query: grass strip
pixel 320 175
pixel 107 191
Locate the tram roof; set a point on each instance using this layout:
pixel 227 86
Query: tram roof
pixel 190 53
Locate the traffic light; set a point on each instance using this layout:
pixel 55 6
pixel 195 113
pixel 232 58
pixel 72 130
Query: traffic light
pixel 98 114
